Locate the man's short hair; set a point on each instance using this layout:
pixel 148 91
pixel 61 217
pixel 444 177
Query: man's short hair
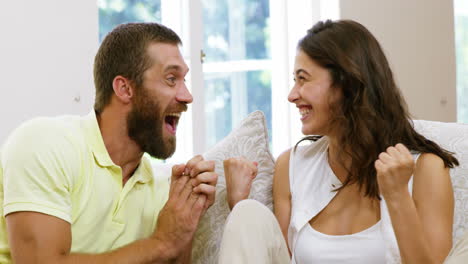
pixel 124 52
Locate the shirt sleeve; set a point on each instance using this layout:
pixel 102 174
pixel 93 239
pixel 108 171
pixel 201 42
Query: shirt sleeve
pixel 39 164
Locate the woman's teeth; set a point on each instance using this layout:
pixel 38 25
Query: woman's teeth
pixel 304 112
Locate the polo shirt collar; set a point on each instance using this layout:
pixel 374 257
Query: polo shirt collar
pixel 95 141
pixel 144 172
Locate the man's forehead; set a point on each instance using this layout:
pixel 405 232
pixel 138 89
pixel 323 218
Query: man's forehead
pixel 167 56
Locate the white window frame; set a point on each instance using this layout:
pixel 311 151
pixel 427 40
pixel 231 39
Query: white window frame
pixel 460 9
pixel 290 20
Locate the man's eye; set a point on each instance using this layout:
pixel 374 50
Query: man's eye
pixel 171 79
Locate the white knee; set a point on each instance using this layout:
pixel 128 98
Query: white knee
pixel 252 235
pixel 250 216
pixel 250 208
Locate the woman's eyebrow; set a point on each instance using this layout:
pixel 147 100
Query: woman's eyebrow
pixel 298 71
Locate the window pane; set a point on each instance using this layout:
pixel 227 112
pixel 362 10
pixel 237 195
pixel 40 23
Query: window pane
pixel 461 43
pixel 115 12
pixel 217 107
pixel 222 115
pixel 237 63
pixel 236 30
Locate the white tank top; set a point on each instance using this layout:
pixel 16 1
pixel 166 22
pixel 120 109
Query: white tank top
pixel 311 184
pixel 348 249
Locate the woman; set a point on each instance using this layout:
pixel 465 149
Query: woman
pixel 369 188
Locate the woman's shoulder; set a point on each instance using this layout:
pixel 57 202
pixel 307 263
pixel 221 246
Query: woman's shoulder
pixel 283 158
pixel 428 165
pixel 300 152
pixel 430 175
pixel 429 159
pixel 310 148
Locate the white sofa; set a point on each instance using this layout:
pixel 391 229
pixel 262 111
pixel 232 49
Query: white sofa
pixel 453 137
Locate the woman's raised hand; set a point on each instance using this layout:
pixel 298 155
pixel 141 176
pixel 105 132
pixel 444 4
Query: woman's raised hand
pixel 239 173
pixel 394 168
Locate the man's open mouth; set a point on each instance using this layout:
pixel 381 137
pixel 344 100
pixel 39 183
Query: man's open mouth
pixel 171 120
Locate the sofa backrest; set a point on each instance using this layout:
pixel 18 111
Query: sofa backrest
pixel 452 137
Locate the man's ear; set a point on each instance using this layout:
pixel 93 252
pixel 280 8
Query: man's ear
pixel 123 89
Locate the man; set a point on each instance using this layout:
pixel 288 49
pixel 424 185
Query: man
pixel 79 190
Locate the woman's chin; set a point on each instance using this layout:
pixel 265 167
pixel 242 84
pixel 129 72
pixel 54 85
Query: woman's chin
pixel 307 131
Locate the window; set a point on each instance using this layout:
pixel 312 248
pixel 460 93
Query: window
pixel 240 54
pixel 461 47
pixel 115 12
pixel 237 76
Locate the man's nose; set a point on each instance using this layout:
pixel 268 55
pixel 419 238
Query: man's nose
pixel 183 95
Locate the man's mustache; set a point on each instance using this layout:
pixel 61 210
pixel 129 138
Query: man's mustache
pixel 179 108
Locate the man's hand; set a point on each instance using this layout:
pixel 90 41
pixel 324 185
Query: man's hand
pixel 204 178
pixel 192 192
pixel 239 173
pixel 179 218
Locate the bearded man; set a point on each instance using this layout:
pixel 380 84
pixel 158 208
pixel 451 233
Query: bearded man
pixel 79 190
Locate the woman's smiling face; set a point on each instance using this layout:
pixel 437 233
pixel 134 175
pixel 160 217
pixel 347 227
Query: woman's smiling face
pixel 313 94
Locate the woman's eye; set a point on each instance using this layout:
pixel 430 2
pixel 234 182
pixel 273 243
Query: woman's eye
pixel 299 78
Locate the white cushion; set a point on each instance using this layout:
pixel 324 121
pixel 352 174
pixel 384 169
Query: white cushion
pixel 250 140
pixel 452 137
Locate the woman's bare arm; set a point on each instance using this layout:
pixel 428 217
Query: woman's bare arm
pixel 281 193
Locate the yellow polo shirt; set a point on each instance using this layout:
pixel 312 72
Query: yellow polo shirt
pixel 60 167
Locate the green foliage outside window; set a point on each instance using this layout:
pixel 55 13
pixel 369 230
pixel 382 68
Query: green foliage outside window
pixel 115 12
pixel 216 30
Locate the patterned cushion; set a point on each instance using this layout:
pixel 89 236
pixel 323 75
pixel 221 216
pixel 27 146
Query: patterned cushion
pixel 249 140
pixel 452 137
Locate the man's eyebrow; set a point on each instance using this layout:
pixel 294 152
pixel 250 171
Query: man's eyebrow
pixel 172 67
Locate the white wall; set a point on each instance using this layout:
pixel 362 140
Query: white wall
pixel 47 49
pixel 46 54
pixel 418 38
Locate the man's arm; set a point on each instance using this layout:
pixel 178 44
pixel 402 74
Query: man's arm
pixel 40 238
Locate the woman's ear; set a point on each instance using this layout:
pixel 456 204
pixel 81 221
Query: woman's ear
pixel 123 89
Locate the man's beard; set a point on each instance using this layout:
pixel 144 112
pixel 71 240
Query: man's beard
pixel 145 124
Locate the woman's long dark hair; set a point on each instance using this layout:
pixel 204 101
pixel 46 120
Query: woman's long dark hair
pixel 372 114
